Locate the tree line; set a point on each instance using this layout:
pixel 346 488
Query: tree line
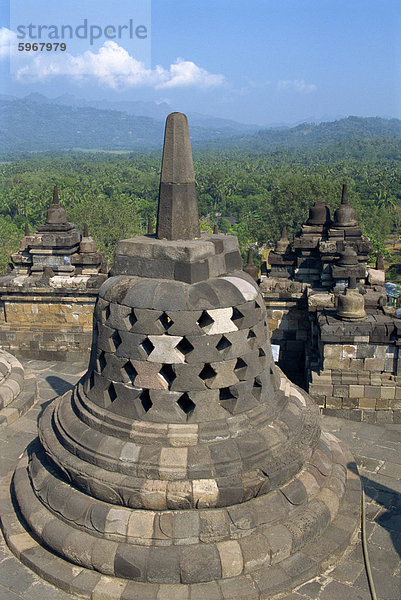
pixel 116 194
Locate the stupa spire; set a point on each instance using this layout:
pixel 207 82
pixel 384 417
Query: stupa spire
pixel 344 195
pixel 177 217
pixel 56 213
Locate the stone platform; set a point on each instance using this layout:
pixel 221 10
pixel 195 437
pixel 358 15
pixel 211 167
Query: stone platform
pixel 379 465
pixel 18 389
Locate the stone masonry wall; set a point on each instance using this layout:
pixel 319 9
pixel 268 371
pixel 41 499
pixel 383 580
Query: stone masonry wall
pixel 289 327
pixel 358 381
pixel 47 325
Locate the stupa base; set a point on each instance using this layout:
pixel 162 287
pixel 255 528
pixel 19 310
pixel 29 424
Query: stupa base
pixel 277 557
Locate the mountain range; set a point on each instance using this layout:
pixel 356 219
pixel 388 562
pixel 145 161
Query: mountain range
pixel 37 123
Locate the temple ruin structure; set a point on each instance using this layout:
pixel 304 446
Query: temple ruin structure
pixel 47 300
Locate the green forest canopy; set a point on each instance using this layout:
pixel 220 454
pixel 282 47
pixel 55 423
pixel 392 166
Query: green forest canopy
pixel 116 193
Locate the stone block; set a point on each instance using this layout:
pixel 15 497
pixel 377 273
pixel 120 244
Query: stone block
pixel 382 403
pixel 365 351
pixel 279 540
pixel 349 351
pixel 320 389
pixel 164 565
pixel 140 527
pixel 173 463
pixel 255 551
pixel 186 527
pixel 333 351
pixel 231 558
pixel 381 351
pixel 356 391
pixel 367 403
pixel 376 277
pixel 374 364
pixel 340 391
pixel 333 402
pixel 205 493
pixel 200 564
pixel 387 392
pixel 349 378
pixel 154 495
pixel 356 364
pixel 336 363
pixel 117 522
pixel 130 561
pixel 384 416
pixel 350 403
pixel 364 378
pixel 372 391
pixel 201 591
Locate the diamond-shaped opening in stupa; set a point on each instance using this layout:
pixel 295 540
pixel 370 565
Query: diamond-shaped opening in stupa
pixel 257 388
pixel 207 372
pixel 107 312
pixel 205 320
pixel 237 317
pixel 129 370
pixel 166 321
pixel 101 362
pixel 167 373
pixel 132 318
pixel 112 392
pixel 227 399
pixel 186 405
pixel 184 346
pixel 223 344
pixel 145 400
pixel 115 340
pixel 147 346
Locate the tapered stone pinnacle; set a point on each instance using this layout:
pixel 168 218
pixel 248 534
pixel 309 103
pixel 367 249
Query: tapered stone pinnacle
pixel 380 262
pixel 150 226
pixel 344 195
pixel 177 217
pixel 56 213
pixel 27 229
pixel 215 228
pixel 86 232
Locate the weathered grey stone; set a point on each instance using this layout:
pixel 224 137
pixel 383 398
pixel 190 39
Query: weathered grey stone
pixel 178 210
pixel 200 563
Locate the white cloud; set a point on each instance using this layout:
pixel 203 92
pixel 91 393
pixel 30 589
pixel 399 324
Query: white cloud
pixel 8 42
pixel 187 73
pixel 296 85
pixel 111 65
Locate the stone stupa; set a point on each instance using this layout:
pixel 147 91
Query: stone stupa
pixel 184 464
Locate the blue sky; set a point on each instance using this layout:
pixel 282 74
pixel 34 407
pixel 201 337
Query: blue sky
pixel 256 61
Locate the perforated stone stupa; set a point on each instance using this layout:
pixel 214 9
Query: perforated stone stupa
pixel 184 464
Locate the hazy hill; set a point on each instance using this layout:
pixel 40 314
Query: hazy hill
pixel 34 124
pixel 140 108
pixel 27 125
pixel 310 135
